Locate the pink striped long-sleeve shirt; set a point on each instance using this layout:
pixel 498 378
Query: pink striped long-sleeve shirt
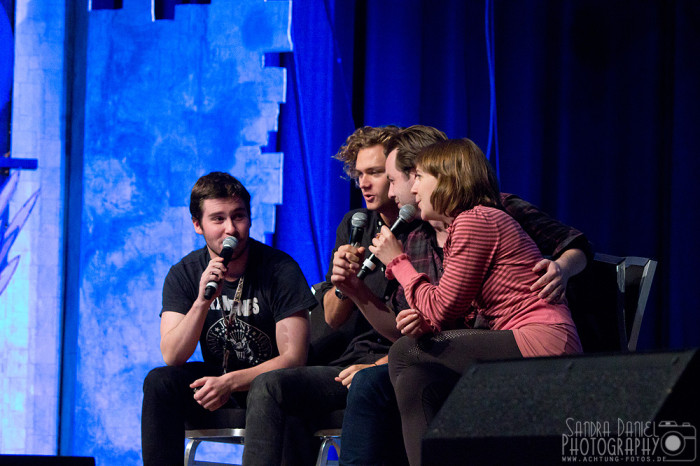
pixel 487 270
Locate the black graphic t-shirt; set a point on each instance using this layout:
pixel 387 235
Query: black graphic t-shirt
pixel 273 288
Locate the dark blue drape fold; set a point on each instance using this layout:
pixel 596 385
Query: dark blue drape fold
pixel 313 124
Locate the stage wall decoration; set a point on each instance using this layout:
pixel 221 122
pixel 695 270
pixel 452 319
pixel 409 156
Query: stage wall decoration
pixel 154 104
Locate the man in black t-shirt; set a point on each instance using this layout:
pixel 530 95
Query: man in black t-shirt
pixel 308 393
pixel 260 294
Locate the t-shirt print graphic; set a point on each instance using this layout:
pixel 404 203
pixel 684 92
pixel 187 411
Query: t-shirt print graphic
pixel 248 344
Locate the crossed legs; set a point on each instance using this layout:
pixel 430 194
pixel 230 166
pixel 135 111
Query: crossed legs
pixel 424 371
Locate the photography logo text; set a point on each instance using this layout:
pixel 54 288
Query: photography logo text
pixel 586 441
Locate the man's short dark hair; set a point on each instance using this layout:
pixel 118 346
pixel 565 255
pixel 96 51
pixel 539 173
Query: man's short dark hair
pixel 409 141
pixel 216 185
pixel 363 138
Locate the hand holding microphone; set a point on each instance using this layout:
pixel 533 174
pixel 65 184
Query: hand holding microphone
pixel 385 246
pixel 229 245
pixel 406 214
pixel 346 255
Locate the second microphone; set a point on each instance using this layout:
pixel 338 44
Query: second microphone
pixel 406 214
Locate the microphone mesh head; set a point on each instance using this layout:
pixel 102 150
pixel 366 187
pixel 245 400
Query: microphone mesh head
pixel 407 213
pixel 230 242
pixel 359 220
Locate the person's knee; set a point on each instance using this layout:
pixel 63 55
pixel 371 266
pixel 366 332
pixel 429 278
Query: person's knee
pixel 269 385
pixel 297 390
pixel 401 355
pixel 402 349
pixel 364 380
pixel 360 388
pixel 158 380
pixel 369 384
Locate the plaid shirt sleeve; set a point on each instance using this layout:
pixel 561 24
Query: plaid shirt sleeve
pixel 419 246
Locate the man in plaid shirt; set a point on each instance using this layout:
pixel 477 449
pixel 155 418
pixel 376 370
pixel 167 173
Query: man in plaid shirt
pixel 371 409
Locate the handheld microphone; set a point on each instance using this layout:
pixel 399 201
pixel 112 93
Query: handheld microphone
pixel 229 245
pixel 406 214
pixel 358 222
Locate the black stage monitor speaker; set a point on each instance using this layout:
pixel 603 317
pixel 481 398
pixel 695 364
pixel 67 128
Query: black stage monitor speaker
pixel 628 408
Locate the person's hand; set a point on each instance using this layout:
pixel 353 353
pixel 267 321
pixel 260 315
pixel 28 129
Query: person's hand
pixel 346 263
pixel 411 322
pixel 552 283
pixel 211 392
pixel 215 271
pixel 346 375
pixel 385 246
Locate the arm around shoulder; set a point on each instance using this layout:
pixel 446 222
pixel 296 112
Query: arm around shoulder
pixel 556 274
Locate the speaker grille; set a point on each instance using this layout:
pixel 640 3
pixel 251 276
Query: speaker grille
pixel 531 403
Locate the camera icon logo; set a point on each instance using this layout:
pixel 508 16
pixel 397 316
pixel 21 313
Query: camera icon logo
pixel 678 442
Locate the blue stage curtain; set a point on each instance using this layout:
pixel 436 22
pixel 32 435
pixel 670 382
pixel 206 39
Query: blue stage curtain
pixel 597 118
pixel 314 123
pixel 7 51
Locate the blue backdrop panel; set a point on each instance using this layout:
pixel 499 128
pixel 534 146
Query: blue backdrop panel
pixel 166 102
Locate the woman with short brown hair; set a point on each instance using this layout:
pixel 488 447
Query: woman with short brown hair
pixel 488 272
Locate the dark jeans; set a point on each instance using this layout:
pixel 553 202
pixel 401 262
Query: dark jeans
pixel 371 423
pixel 305 394
pixel 167 403
pixel 424 372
